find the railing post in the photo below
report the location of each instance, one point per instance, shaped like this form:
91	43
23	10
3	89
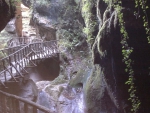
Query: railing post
25	108
4	104
5	70
0	102
26	61
17	106
21	58
18	60
34	110
10	104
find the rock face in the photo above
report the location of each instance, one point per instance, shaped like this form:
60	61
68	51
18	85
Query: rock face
7	11
27	3
10	27
108	54
57	18
103	81
59	98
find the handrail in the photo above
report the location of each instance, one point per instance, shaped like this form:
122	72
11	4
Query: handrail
24	56
10	102
8	51
23	40
27	46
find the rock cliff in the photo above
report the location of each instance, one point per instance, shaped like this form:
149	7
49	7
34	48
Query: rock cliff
103	79
90	40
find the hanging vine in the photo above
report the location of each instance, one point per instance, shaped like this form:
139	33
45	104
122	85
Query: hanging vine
126	52
144	7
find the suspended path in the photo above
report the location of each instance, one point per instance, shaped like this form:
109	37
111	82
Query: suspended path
22	53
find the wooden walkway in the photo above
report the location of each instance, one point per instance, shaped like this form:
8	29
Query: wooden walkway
17	59
12	66
14	104
22	41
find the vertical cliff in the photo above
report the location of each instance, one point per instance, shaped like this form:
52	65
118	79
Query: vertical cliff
90	32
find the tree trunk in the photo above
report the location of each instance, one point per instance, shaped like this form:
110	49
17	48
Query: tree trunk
18	22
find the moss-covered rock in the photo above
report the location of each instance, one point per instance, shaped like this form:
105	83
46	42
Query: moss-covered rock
59	19
88	10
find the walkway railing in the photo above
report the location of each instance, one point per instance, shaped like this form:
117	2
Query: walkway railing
28	55
13	104
7	51
22	41
14	63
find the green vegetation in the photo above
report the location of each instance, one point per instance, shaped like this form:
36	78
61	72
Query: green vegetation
126	52
144	7
69	39
90	23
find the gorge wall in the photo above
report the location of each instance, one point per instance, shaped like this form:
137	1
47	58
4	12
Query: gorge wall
104	86
90	31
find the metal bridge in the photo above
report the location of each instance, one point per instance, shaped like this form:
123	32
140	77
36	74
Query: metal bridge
21	53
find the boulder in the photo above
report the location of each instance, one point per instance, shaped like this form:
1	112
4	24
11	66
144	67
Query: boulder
10	27
60	98
7	12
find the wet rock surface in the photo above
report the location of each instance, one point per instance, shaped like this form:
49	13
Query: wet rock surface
100	73
59	98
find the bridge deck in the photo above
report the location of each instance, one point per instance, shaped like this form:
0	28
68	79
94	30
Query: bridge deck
15	59
16	62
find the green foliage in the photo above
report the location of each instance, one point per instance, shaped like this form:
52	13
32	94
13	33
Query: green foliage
69	39
89	21
144	7
126	52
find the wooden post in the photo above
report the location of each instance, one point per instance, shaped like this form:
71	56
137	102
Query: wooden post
10	65
25	108
5	70
18	21
34	110
17	106
4	103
